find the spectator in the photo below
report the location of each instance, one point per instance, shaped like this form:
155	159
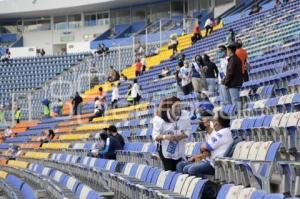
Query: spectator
46	108
255	9
113	132
99	108
144	64
243	55
164	73
18	115
197	33
173	44
222	56
138	67
101	95
233	79
156	50
115	95
47	137
230	39
211	74
113	75
185	74
178	80
6	56
77	104
285	2
197	75
139	50
111	145
129	96
219	141
277	4
181	60
42	52
193	164
203	106
14	151
136	92
171	127
208	26
8	133
59	107
123	78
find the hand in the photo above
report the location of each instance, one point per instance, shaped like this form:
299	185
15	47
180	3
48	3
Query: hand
191	159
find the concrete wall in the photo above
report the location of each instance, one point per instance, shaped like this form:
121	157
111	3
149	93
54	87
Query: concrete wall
23	52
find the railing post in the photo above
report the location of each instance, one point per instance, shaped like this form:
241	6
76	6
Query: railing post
160	33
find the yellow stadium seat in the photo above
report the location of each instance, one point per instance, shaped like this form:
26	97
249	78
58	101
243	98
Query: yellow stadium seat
18	164
56	145
3	174
74	136
112	117
37	155
92	127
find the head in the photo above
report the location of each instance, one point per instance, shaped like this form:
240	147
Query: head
206	58
51	132
138	60
171	105
103	136
111	67
222	51
221	120
186	63
231	50
96	98
239	43
100	89
205	121
59	100
76	94
112	130
231	31
135	81
113	85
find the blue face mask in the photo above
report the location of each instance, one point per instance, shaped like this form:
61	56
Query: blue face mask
220	54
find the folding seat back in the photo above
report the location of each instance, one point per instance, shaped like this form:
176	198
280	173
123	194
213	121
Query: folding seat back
186	184
127	168
179	183
28	192
258	195
263	150
236	124
142	172
276	120
71	183
238	150
14	181
74	159
274	196
293	119
153	179
282	100
245	150
284	120
196	149
267	121
246	193
46	171
260	104
84	192
100	163
162	178
224	191
234	191
254	150
58	176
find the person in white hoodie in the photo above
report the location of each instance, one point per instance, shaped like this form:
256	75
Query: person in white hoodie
208	26
222	67
115	95
136	93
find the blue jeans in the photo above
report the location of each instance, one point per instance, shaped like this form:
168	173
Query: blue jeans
199	169
224	94
234	94
211	85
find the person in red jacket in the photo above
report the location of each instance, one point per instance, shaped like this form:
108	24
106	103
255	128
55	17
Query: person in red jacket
233	79
243	55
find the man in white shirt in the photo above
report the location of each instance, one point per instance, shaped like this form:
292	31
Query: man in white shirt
208	26
115	95
185	74
222	67
136	93
218	143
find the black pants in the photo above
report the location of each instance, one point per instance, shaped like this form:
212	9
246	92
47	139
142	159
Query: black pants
196	37
187	89
246	76
136	100
98	114
18	121
137	73
209	29
169	164
114	104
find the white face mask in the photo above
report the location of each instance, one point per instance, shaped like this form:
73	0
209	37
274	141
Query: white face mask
211	124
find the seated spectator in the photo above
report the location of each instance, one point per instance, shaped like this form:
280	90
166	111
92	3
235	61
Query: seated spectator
8	133
255	9
138	67
218	142
285	2
113	75
14	151
99	109
164	73
197	33
136	93
185	74
113	132
171	128
230	38
47	137
95	152
111	145
6	56
58	108
115	95
173	44
208	26
102	95
129	96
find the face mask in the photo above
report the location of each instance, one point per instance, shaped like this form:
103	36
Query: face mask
211	124
221	54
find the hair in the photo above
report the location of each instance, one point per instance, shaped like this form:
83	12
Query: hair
223	119
206	58
111	67
96	98
100	89
165	105
103	136
222	47
135	81
232	48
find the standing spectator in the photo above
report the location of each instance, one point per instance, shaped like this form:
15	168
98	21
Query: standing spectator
197	33
164	73
144	64
197	75
129	97
47	137
113	132
243	55
136	93
77	103
42	52
139	50
171	128
138	67
211	74
173	44
218	142
101	95
59	107
115	95
111	145
222	56
208	26
18	115
185	74
99	108
234	78
255	9
46	108
230	39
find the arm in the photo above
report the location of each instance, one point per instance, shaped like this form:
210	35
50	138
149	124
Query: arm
229	73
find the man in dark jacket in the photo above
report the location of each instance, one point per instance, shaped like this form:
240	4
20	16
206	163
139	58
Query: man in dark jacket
234	78
77	102
113	132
